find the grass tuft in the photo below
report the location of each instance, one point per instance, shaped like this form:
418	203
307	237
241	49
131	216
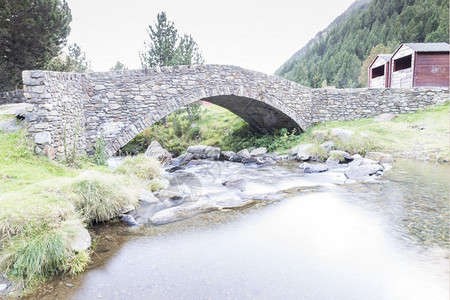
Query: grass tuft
141	166
98	197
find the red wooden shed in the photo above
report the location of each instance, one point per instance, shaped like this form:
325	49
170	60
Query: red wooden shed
379	71
420	64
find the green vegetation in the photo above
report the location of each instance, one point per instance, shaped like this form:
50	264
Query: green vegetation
166	47
207	125
44	204
335	56
221	128
422	135
29	38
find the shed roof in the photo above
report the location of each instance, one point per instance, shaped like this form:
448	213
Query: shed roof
385	57
428	47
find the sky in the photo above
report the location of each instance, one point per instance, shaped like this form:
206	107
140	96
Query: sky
257	35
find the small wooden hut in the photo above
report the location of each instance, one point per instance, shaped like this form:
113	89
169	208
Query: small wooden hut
379	71
420	64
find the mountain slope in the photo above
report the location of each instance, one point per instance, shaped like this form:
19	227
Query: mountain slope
335	55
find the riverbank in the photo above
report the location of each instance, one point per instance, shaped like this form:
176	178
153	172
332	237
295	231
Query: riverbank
46	207
422	135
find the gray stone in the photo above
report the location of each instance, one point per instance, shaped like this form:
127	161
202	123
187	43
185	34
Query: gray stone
227	155
43	138
294	150
380	157
126	209
156	151
147	196
81	241
241	155
327	146
179	162
362	173
68	284
3	287
129	220
313	168
203	152
11	125
342	134
259	151
304	152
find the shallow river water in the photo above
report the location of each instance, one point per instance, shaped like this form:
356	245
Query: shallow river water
317	239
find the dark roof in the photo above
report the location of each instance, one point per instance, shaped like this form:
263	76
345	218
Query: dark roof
429	47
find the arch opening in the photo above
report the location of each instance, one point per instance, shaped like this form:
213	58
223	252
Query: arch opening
261	118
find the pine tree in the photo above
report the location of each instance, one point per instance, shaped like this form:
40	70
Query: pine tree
167	48
32	32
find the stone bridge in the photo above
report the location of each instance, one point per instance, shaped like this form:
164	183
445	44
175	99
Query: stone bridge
69	108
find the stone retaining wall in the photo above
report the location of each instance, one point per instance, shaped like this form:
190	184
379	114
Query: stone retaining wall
350	104
11	97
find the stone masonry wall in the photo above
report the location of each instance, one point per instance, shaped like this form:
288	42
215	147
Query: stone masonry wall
56	119
350	104
118	105
11	97
123	103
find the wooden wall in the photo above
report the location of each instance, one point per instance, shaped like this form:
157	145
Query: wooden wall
402	78
431	69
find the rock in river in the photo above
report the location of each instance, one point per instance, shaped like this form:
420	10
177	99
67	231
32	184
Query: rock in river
202	152
363	172
313	168
157	151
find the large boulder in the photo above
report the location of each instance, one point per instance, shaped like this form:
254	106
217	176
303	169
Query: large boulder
313	168
342	134
363	172
242	155
259	151
227	155
202	152
304	152
155	150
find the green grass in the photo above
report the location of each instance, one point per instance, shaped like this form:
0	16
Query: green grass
44	203
401	136
221	128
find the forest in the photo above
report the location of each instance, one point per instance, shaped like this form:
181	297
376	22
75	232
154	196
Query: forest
339	55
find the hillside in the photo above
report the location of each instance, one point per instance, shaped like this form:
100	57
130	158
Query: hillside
335	56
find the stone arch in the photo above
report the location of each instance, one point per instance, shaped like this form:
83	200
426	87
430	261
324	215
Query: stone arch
264	115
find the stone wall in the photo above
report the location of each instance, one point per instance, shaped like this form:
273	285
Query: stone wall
11	97
118	105
350	104
57	118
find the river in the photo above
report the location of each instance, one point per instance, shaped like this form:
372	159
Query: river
315	238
